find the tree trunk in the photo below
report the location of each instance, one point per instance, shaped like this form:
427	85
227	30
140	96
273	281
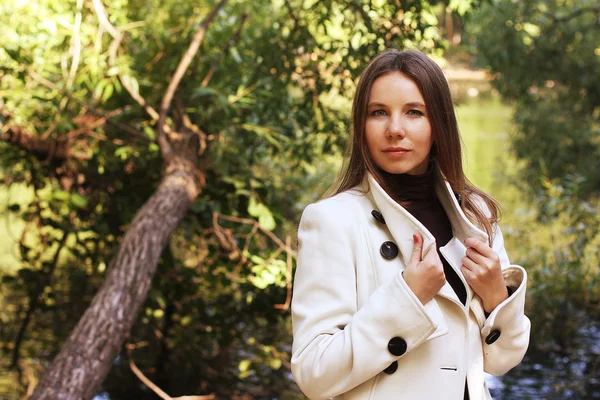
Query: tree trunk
90	351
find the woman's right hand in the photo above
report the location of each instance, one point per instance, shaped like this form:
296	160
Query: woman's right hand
424	276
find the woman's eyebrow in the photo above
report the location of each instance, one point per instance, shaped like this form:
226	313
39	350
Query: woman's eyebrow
410	104
415	104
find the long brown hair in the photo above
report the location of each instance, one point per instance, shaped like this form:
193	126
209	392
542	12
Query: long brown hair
445	153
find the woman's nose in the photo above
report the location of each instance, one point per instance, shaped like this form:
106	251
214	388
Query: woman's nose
395	127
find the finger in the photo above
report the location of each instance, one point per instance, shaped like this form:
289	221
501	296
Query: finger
477	257
415	257
431	253
470	265
468	274
480	246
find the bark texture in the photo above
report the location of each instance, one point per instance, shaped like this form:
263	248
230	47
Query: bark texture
90	351
41	148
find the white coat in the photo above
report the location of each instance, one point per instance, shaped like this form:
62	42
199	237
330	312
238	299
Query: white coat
354	316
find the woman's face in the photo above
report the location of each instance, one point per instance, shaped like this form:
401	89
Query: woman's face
397	128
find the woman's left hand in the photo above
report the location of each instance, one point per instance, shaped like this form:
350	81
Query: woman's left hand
482	270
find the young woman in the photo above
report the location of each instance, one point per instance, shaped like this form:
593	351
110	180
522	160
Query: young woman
403	288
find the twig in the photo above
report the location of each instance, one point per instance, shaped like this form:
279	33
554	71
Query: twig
229	43
129	129
284	361
187	122
159	392
76	45
112	55
244	93
249	237
228	245
288	299
185	62
270	234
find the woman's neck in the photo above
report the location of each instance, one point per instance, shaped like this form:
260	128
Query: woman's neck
406	188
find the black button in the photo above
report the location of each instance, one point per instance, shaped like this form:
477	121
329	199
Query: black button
391	368
389	250
377	215
458	198
397	346
492	337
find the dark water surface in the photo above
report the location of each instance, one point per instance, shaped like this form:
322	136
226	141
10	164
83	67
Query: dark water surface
567	374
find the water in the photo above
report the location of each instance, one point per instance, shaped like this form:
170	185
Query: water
548	371
566	374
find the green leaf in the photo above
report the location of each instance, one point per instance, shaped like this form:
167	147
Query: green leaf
245	370
260	211
123	152
275	363
108	91
78	200
131	82
150	132
265	133
244	365
60	195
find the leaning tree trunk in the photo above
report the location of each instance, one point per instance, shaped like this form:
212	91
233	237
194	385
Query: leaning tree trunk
89	353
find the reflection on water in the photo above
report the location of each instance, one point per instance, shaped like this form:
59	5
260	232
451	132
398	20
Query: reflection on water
572	374
569	373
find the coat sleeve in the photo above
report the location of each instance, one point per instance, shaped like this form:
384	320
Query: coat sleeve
337	346
505	333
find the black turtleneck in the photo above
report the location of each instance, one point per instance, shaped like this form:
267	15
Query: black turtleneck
417	195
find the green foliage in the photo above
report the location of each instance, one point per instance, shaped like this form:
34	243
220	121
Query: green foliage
276	117
544	55
544	58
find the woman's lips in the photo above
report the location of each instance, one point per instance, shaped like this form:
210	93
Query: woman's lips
395	152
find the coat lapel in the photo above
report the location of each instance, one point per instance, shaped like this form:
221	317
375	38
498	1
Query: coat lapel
461	226
402	225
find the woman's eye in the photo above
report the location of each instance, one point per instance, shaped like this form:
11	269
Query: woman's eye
378	113
416	113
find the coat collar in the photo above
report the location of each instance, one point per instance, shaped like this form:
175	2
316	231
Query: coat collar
403	225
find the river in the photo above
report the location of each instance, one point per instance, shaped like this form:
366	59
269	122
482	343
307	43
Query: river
547	371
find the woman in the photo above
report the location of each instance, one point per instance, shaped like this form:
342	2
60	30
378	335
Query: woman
403	288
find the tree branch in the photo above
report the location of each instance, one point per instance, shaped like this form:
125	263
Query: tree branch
185	62
43	149
152	386
187	123
112	56
129	129
75	45
267	232
229	43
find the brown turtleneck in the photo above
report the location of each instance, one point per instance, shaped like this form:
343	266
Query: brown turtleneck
417	195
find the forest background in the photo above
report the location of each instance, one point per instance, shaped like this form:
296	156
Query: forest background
155	158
